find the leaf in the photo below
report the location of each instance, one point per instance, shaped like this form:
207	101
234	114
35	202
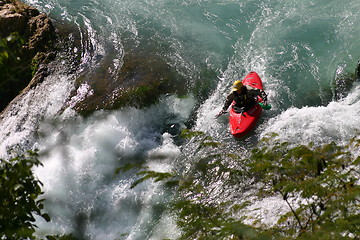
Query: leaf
210	144
19	193
357	161
46	217
128	166
157	176
187	134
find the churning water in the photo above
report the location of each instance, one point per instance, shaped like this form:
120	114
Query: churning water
299	48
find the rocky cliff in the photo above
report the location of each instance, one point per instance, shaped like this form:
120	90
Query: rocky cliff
27	38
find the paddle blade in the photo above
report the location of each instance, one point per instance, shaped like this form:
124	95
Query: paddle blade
265	107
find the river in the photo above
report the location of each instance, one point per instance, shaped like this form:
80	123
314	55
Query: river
299	49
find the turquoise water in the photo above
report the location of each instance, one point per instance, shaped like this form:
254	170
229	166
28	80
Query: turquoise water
298	48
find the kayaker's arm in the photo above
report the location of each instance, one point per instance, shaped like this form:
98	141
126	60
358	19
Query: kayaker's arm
229	99
263	96
258	92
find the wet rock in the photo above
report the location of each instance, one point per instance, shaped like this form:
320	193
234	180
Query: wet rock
10	21
357	72
143	77
30	44
344	82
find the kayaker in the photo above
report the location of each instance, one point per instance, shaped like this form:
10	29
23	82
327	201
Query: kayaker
245	97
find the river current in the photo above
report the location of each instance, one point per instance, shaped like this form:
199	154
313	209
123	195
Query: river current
299	48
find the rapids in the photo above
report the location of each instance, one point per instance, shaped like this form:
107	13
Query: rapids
299	49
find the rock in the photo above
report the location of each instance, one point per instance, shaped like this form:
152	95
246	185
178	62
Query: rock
11	22
34	26
357	72
142	79
14	16
344	82
26	50
40	31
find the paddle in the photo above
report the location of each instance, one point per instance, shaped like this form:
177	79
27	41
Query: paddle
266	106
222	112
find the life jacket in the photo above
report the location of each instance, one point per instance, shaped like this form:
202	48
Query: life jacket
245	100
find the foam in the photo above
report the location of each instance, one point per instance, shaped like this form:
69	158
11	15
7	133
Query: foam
338	121
80	159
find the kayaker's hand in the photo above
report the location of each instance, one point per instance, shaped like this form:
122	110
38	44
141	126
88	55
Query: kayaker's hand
264	100
222	112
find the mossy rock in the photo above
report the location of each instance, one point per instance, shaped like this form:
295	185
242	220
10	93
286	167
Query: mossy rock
142	79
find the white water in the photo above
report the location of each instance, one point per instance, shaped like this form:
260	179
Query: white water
79	163
337	122
21	120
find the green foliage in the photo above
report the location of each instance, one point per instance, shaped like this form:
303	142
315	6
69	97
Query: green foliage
10	48
19	197
14	68
156	176
63	237
7	45
36	61
187	134
319	184
203	140
199	220
203	204
201	212
127	167
199	217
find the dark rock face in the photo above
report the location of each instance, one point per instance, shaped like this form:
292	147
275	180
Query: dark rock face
344	82
32	45
11	21
34	26
139	83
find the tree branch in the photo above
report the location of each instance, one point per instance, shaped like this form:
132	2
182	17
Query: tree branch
292	210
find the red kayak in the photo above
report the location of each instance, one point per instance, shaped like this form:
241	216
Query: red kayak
242	123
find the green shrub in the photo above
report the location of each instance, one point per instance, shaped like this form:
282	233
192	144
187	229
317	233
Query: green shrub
318	183
20	192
